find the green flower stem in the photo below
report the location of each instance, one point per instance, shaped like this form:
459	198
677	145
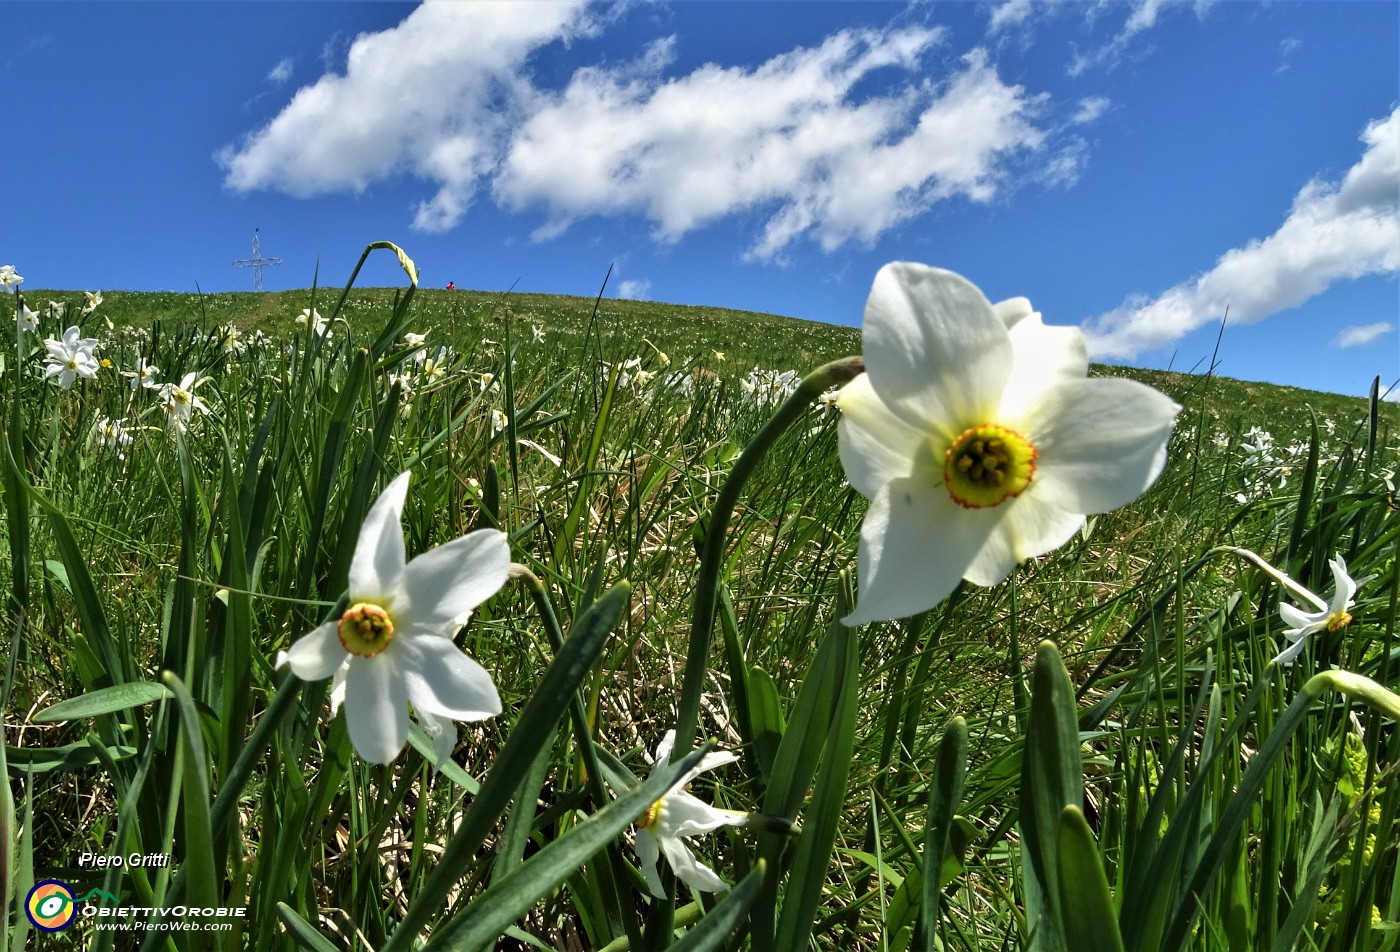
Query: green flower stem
702	619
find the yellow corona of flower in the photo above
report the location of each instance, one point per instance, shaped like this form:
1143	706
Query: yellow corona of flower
978	440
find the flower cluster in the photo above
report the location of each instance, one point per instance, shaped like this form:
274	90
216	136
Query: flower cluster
1265	467
765	388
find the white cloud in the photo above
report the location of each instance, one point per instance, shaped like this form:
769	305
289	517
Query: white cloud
1334	231
1287	48
1359	335
1142	17
1008	14
634	290
1090	108
434	96
281	72
832	144
785	139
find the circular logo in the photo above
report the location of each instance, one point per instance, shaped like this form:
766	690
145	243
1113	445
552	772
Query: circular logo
50	905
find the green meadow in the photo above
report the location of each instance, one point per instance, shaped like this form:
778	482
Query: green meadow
1097	753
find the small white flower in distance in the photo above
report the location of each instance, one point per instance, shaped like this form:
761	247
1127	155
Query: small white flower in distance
393	647
144	375
70	357
28	320
180	401
111	435
319	324
664	827
94	298
537	333
978	440
1330	616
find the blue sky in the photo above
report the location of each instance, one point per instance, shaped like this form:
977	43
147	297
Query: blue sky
1132	168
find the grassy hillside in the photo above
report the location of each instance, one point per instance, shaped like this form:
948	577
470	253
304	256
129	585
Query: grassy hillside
686	333
899	784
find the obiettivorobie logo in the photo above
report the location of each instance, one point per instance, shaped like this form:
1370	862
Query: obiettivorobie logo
52	907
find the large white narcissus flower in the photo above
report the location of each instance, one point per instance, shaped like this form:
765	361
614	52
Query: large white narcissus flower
393	646
978	440
663	828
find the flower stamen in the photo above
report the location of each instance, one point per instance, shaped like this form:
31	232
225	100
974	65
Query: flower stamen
365	630
651	815
987	465
1338	621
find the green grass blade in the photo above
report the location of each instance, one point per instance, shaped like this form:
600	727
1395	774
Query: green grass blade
822	819
85	598
944	795
713	931
303	933
1052	778
198	839
118	697
1086	907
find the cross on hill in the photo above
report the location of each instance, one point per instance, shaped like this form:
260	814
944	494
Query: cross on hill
257	262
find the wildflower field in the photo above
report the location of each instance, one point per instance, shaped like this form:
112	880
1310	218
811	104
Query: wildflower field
395	619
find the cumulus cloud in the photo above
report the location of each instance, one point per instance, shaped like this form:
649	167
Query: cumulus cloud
634	290
786	138
1359	335
835	143
433	97
1334	231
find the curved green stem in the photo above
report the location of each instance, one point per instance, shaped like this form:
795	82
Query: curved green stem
702	621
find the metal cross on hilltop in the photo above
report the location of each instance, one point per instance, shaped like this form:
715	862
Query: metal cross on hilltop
257	262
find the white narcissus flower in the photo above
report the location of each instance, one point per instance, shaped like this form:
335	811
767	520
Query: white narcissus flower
70	357
144	375
8	277
978	440
28	320
664	827
94	298
180	401
1330	616
111	435
319	324
537	333
393	646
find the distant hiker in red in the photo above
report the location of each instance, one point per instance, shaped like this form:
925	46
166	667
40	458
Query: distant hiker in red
451	285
